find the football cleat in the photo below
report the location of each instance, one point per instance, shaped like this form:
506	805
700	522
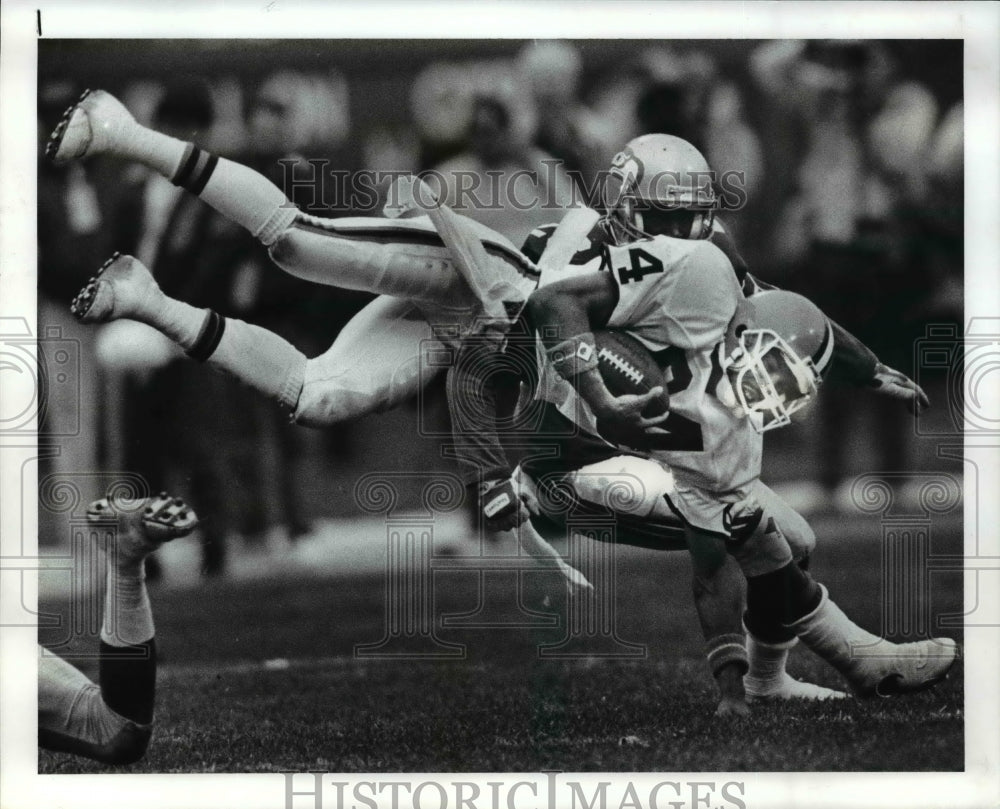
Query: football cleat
873	666
120	288
889	669
144	523
92	126
787	687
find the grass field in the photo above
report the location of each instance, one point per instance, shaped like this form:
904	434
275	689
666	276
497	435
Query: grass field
260	674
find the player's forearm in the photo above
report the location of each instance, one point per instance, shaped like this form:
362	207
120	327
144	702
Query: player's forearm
472	407
572	306
853	362
556	317
563	325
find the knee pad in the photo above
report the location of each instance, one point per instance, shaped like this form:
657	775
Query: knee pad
624	484
356	392
798	533
766	551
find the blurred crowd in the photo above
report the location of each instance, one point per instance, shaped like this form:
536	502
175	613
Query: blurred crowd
852	167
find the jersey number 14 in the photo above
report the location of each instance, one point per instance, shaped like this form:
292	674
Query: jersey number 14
642	263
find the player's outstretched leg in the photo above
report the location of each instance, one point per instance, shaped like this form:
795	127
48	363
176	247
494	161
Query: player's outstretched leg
128	649
333	252
124	288
873	666
380	359
99	124
112	721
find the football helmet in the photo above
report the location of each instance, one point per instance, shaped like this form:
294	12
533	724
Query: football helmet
776	350
650	181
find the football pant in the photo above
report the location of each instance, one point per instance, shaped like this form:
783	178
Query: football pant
779	536
380	359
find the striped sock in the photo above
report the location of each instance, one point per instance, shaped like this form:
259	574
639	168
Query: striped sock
239	193
259	358
195	169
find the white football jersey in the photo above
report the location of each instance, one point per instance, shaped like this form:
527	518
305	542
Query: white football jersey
677	297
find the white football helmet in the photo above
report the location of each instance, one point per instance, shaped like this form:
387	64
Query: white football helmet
776	350
650	180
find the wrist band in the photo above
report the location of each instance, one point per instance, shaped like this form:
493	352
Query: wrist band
574	356
724	649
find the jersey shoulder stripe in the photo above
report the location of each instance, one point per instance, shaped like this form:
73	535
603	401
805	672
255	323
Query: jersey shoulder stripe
594	247
410	231
534	245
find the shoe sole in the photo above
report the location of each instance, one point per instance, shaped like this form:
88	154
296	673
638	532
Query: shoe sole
56	138
84	300
164	517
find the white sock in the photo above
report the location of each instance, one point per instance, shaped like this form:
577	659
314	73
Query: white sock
160	152
261	359
236	191
767	660
179	321
128	615
248	198
833	636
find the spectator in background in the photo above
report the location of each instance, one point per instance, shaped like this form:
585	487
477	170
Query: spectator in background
520	187
285	125
934	239
552	71
674	98
840	230
942	221
733	148
440	106
685	96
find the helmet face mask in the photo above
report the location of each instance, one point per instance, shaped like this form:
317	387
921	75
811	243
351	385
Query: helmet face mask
658	185
776	350
770	381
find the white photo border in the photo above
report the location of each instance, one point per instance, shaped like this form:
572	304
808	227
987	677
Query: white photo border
978	24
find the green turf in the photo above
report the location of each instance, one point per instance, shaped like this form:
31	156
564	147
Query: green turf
500	707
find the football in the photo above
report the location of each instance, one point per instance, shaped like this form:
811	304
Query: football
627	366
